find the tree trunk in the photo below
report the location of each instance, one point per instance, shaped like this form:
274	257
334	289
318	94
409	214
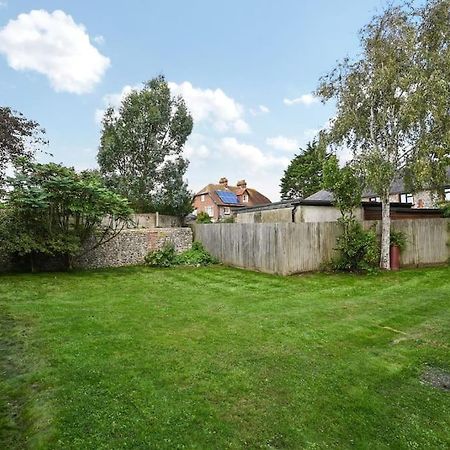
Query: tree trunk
385	262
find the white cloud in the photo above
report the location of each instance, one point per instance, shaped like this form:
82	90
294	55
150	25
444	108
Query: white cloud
251	155
114	100
53	45
262	109
213	106
305	99
283	143
200	152
99	39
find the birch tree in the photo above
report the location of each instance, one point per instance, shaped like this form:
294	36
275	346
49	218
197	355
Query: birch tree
390	112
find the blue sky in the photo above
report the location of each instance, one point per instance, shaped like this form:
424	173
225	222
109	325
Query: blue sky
246	69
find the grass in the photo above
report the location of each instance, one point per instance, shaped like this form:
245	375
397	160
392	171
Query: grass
218	358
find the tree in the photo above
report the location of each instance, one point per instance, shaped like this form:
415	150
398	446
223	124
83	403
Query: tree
384	113
345	184
51	210
141	148
303	176
19	139
357	248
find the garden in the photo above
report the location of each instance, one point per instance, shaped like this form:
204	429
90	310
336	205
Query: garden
214	357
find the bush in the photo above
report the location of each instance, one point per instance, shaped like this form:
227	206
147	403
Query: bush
445	208
358	249
165	257
196	256
203	217
398	238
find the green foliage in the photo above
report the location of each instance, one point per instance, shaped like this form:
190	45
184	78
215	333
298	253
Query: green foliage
399	239
51	210
164	257
167	256
393	101
358	248
345	185
196	256
19	139
445	208
141	149
303	176
203	217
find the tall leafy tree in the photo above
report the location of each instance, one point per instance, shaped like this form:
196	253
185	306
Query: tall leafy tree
19	139
392	102
141	148
304	174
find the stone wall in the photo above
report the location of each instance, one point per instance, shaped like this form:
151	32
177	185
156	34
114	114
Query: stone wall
131	246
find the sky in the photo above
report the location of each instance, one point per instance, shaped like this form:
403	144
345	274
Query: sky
247	70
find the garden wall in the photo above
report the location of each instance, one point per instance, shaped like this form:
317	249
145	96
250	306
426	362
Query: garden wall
131	246
286	248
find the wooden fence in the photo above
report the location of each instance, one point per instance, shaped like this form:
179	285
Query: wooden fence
286	248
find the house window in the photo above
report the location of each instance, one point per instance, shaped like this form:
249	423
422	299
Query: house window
245	198
202	198
374	199
209	210
406	198
447	194
226	210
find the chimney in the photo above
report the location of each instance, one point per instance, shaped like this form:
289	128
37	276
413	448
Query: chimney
223	182
242	184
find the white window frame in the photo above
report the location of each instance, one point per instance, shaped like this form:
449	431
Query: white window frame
406	198
210	211
245	198
226	210
374	199
447	194
202	197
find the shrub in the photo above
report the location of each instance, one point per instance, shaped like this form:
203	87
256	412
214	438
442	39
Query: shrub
358	249
445	208
164	257
196	256
203	217
167	257
398	238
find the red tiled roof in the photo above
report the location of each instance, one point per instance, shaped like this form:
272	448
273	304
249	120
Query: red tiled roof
256	197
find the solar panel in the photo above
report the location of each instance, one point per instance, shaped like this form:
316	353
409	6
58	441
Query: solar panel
228	197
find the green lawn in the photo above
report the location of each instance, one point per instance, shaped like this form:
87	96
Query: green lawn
218	358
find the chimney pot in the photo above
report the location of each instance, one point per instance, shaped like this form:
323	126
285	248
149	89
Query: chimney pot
242	184
224	182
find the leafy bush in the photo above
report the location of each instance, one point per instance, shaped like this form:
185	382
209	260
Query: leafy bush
358	249
445	208
203	217
167	257
398	238
164	257
196	256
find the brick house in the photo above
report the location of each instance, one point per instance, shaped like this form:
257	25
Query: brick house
218	199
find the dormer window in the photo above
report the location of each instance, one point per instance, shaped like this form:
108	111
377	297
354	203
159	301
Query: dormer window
245	198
